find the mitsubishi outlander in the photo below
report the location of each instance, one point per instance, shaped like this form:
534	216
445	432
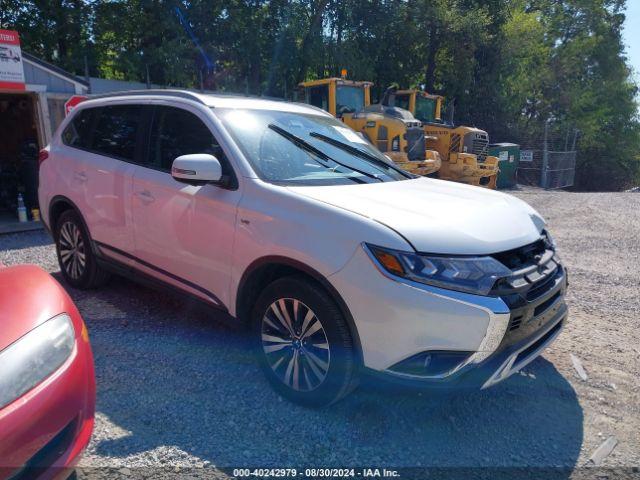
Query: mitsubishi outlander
339	262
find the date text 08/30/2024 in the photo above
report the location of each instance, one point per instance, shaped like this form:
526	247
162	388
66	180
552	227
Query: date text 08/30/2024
315	472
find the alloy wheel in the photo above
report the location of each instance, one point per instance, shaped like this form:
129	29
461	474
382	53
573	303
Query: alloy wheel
72	250
295	344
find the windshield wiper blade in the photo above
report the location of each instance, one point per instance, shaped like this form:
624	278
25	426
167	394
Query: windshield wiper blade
303	144
357	152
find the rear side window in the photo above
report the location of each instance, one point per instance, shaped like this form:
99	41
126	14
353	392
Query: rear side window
78	132
116	131
176	132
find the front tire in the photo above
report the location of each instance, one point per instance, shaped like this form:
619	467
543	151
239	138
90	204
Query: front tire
303	342
77	261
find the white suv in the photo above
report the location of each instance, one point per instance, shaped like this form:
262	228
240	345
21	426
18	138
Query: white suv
289	221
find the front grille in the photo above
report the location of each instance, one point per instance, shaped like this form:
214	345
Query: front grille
533	267
477	143
543	286
528	315
528	319
479	147
534	292
540	309
537	344
522	256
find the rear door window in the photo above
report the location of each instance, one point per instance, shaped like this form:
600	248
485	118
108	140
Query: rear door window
116	131
78	132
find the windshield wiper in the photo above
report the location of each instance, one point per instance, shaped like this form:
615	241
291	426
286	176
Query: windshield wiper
357	152
304	145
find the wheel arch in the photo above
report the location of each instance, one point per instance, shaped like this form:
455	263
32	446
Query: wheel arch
60	204
265	270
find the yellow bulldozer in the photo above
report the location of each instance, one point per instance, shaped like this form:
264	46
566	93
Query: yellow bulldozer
394	131
463	149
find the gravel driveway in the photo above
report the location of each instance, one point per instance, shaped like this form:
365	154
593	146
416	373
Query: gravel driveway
177	387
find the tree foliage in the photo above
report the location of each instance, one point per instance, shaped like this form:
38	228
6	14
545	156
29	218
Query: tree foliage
511	65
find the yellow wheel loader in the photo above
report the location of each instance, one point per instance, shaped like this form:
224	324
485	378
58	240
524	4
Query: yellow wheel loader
395	132
463	149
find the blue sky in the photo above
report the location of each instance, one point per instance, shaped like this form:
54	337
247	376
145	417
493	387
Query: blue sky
632	36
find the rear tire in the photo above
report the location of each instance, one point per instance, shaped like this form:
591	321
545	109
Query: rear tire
303	342
77	261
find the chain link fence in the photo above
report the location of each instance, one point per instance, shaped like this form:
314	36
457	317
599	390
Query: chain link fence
549	162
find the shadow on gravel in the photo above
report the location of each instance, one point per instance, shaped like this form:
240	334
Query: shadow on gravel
173	375
25	240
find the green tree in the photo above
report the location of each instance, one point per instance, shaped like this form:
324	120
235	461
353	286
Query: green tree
57	31
511	65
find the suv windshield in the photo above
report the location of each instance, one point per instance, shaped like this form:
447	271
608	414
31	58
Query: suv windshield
306	149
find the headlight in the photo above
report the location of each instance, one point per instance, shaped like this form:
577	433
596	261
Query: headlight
34	357
475	275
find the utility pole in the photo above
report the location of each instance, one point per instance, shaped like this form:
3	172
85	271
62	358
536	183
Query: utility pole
545	156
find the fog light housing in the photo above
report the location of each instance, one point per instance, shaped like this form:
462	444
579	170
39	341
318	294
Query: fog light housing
431	364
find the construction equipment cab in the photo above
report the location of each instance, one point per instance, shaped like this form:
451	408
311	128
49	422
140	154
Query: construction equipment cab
337	96
394	131
464	150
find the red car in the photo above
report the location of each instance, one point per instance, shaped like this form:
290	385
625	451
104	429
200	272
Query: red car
47	384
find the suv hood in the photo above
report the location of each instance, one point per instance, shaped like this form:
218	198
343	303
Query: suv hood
437	216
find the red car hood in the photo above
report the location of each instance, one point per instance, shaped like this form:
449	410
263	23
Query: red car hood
28	297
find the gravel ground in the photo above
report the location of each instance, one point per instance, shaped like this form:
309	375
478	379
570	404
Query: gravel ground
177	388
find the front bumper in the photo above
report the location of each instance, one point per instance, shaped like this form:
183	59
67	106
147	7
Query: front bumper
43	433
396	320
496	368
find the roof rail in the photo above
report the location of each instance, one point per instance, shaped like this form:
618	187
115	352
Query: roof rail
151	91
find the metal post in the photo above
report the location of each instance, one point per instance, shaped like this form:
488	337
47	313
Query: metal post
575	139
86	74
146	66
545	157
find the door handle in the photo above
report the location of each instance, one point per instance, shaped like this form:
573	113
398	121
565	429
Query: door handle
145	196
80	176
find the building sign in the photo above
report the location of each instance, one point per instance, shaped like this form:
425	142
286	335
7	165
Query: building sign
526	156
11	72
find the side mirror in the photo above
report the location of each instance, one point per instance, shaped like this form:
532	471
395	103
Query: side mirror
197	169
